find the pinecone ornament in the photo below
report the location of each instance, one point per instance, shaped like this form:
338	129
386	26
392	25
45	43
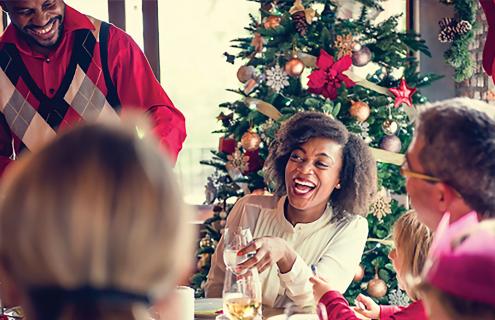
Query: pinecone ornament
463	27
450	28
299	17
300	23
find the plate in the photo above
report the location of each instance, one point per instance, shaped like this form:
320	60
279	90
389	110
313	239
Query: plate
295	317
208	306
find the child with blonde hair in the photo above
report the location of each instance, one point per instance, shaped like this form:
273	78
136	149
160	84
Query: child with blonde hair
412	241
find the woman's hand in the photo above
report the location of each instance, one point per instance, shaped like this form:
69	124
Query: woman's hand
320	287
372	310
269	250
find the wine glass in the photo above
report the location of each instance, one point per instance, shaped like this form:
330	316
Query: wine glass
242	296
235	239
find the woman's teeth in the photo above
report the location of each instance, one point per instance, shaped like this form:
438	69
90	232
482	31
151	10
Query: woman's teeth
303	186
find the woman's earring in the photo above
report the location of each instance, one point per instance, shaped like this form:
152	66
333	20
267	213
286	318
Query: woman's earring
337	186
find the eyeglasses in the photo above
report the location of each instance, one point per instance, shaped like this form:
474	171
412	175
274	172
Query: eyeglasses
411	174
405	172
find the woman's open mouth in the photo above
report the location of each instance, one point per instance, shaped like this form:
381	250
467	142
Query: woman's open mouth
302	187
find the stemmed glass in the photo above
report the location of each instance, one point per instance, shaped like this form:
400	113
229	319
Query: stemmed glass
242	295
235	239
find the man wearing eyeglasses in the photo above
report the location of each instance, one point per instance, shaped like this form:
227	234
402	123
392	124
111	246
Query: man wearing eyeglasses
450	164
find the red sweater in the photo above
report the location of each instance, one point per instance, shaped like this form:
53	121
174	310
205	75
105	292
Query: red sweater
130	72
338	309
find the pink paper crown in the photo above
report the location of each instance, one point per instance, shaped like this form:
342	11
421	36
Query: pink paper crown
462	267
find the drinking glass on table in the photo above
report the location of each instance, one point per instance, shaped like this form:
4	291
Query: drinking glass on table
242	295
235	239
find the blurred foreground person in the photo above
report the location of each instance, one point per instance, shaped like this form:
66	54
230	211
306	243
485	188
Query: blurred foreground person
90	227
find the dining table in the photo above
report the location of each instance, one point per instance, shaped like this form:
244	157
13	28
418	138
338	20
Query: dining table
267	313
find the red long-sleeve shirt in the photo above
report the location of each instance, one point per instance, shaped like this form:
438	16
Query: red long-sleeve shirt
136	85
489	49
338	309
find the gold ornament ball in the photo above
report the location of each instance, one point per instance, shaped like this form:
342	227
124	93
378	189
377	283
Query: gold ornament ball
250	141
377	288
272	22
246	73
294	67
390	127
359	274
360	110
206	242
361	57
391	143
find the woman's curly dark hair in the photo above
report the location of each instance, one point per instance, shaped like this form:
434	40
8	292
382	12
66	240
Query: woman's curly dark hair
358	177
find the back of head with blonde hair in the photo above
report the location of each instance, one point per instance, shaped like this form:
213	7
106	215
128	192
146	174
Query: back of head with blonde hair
97	208
412	239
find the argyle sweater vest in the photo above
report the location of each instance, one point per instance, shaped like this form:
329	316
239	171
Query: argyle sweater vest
86	92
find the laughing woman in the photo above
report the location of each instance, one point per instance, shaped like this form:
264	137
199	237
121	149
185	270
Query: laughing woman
324	179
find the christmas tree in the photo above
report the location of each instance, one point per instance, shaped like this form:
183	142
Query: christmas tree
327	56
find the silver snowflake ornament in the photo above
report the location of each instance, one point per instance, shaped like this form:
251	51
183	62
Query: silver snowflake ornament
398	298
276	78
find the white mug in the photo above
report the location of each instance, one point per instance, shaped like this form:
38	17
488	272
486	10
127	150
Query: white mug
185	297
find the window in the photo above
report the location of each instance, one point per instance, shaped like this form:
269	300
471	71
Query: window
193	36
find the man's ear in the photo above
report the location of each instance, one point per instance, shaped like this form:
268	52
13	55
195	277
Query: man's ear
445	196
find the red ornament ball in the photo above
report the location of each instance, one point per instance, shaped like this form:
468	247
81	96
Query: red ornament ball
360	110
250	140
272	22
294	67
246	73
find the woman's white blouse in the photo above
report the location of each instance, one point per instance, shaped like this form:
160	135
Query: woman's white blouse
335	247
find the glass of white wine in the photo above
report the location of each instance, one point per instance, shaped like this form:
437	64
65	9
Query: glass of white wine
235	239
242	296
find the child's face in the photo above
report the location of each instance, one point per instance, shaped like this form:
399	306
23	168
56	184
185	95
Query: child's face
395	257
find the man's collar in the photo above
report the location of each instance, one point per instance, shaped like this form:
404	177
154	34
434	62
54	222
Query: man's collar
73	20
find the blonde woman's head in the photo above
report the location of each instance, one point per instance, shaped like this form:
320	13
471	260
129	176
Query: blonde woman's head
412	240
98	207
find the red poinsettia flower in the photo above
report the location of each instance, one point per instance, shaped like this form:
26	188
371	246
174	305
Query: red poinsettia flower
328	78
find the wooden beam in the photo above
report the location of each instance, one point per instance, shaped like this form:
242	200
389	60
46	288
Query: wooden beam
411	15
150	35
116	13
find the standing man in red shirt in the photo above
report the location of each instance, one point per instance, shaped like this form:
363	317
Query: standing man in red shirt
59	67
